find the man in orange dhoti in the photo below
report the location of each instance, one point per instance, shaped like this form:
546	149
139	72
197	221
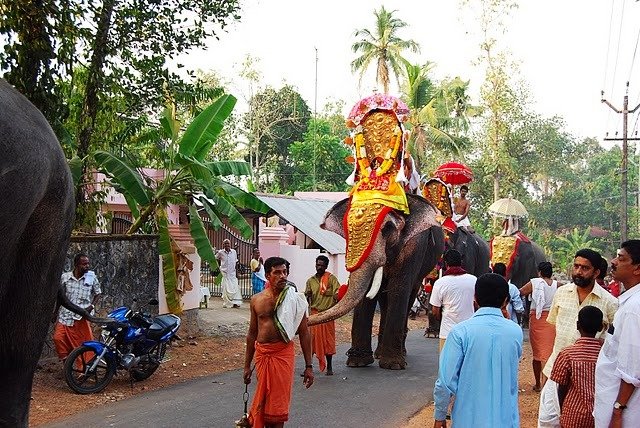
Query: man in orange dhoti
82	289
277	314
322	293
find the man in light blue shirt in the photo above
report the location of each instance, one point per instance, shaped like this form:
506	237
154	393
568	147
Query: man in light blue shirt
479	364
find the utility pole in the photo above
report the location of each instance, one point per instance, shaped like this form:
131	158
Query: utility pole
315	122
623	171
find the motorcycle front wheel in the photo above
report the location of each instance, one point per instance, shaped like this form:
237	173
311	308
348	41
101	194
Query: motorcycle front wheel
78	371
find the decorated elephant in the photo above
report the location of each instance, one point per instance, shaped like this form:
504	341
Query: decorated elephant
520	254
36	217
475	250
402	252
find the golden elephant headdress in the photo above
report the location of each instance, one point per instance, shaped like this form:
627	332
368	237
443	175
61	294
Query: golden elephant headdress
378	139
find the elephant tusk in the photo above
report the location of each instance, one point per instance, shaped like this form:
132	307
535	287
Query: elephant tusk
375	285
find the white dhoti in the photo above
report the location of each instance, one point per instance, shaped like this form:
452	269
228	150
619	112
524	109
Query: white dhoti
231	294
549	410
464	222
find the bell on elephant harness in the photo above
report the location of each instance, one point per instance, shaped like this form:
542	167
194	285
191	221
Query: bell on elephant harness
244	420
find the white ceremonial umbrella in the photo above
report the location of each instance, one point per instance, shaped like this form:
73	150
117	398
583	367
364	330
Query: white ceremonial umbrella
508	208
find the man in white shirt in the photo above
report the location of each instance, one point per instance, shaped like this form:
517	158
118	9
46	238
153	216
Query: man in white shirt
617	403
227	260
452	295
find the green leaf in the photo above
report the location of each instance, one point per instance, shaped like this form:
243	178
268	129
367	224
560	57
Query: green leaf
170	126
214	218
224	168
205	128
229	211
242	199
165	249
125	175
199	235
75	165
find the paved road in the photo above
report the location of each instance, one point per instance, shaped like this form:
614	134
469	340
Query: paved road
368	396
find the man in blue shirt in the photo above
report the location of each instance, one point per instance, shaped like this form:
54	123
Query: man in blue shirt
479	364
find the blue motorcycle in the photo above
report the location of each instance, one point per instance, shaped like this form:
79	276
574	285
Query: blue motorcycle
131	341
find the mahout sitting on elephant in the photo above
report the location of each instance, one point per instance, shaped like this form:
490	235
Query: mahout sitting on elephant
393	239
35	224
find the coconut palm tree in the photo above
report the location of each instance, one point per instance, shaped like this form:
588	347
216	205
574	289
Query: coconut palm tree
383	46
440	112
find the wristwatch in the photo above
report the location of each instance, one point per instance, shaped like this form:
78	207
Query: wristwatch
619	406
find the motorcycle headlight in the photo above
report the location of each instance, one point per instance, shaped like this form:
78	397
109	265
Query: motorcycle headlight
104	335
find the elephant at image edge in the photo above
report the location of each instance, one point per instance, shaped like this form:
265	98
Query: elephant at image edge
407	248
476	255
36	217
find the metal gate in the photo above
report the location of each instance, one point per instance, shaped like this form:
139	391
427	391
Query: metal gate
120	223
243	247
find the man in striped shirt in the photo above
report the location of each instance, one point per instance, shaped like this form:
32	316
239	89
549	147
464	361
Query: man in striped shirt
574	372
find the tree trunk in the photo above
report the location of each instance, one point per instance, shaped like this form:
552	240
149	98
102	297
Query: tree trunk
91	99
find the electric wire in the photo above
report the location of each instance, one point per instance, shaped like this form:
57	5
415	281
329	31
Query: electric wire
633	59
615	64
606	64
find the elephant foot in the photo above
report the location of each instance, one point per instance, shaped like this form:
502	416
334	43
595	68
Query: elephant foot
393	363
359	358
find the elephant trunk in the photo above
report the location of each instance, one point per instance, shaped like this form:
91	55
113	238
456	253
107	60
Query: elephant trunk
358	287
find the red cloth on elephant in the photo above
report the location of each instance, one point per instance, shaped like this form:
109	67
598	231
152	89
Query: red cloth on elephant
323	340
274	370
67	338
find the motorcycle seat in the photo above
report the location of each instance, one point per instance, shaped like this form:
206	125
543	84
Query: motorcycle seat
162	325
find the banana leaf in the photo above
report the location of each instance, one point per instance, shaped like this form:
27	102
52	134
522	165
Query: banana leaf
228	210
126	176
224	168
168	263
75	165
242	199
205	128
199	235
213	215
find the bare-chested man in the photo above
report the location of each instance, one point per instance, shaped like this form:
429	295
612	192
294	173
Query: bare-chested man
461	208
269	339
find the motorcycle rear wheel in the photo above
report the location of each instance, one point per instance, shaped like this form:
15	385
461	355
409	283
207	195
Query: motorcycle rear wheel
148	363
77	371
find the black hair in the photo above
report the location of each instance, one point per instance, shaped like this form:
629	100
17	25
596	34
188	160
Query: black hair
275	261
453	258
632	246
590	320
325	259
593	256
500	269
604	266
491	290
545	269
77	258
464	187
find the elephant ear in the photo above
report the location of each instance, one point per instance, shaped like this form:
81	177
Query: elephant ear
333	220
393	228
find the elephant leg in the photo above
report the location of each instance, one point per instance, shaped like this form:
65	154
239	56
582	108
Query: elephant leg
391	348
360	354
382	300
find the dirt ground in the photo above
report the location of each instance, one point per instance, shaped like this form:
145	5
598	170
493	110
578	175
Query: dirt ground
202	356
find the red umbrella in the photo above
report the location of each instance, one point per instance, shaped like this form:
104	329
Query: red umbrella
454	173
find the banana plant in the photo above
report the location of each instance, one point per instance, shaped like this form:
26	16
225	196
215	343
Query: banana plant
188	178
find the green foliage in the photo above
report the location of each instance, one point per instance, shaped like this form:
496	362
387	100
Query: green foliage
275	120
383	47
318	161
188	178
568	246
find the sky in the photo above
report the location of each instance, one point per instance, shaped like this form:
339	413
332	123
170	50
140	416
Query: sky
567	51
